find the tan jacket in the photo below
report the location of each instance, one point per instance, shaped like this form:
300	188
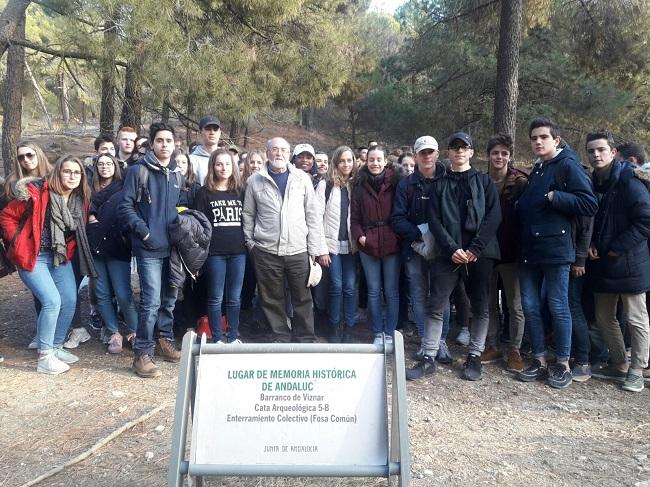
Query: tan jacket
283	226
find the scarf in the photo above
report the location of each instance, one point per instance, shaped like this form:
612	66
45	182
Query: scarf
69	218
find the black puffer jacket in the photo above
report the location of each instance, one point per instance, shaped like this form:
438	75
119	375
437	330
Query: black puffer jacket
106	237
190	238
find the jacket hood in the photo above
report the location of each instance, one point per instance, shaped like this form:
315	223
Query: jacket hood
199	150
642	174
152	163
20	187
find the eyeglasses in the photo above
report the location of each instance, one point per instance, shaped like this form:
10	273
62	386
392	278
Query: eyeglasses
70	172
26	155
105	164
278	150
459	148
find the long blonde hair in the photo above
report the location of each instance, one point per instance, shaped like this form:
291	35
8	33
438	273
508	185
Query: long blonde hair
44	167
234	181
333	174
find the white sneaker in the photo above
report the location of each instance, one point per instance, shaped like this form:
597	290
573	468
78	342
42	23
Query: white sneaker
49	364
388	338
379	339
463	336
65	356
77	336
236	341
32	345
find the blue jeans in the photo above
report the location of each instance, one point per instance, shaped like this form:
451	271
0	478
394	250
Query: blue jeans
372	268
114	279
225	273
556	279
580	328
343	287
56	291
157	301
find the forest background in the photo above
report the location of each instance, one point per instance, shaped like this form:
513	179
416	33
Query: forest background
334	66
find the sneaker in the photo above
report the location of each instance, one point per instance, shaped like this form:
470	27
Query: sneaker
536	371
130	339
115	343
609	373
472	368
95	321
426	366
443	356
417	356
104	335
48	363
559	376
167	350
379	339
144	366
633	383
236	341
77	336
388	339
463	337
646	374
33	345
581	372
515	363
491	355
65	356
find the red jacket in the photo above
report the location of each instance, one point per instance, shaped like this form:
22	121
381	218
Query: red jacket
28	243
370	214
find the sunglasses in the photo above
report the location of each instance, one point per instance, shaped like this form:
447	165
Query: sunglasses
26	155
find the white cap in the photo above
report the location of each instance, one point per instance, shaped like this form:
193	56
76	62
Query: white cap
315	274
425	142
300	148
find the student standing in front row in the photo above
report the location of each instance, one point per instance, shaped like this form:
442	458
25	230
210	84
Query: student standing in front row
464	216
620	262
372	204
558	191
46	223
151	192
220	199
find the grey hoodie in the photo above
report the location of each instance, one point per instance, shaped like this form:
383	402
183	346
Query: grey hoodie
199	159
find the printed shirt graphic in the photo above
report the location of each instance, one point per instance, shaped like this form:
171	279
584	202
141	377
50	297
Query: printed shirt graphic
224	211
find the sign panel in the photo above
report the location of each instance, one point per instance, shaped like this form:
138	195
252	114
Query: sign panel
290	409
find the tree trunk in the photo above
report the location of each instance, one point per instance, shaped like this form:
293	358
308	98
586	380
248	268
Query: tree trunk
107	108
166	109
353	126
64	102
234	130
190	104
246	133
132	107
39	96
10	19
507	84
307	115
12	101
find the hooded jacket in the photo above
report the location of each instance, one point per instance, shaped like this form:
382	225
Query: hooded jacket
282	226
27	244
149	210
105	235
622	226
508	232
199	158
330	210
546	227
190	237
371	212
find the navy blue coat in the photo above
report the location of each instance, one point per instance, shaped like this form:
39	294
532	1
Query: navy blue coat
150	210
410	209
622	225
105	236
547	228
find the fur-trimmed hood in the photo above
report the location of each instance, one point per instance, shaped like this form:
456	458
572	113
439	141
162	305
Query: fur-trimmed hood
642	174
20	187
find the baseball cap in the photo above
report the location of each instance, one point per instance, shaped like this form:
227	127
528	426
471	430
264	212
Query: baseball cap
209	120
425	142
303	148
315	273
462	136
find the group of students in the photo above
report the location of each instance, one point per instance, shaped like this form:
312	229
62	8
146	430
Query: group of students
457	234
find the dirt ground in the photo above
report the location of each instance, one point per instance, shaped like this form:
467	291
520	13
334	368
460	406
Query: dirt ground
491	432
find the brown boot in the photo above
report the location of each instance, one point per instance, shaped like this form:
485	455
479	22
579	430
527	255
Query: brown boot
515	362
168	351
144	366
491	355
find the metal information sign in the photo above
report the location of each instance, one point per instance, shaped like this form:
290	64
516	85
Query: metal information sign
290	410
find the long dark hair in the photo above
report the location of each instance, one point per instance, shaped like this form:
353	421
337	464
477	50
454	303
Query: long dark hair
234	182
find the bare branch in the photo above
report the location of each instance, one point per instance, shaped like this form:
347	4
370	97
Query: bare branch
65	54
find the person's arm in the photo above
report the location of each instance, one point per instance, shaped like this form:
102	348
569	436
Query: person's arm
10	218
127	210
491	220
248	216
578	198
399	218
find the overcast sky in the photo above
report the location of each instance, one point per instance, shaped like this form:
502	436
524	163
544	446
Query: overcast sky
386	5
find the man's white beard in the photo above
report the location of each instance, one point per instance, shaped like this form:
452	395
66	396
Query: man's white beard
278	164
